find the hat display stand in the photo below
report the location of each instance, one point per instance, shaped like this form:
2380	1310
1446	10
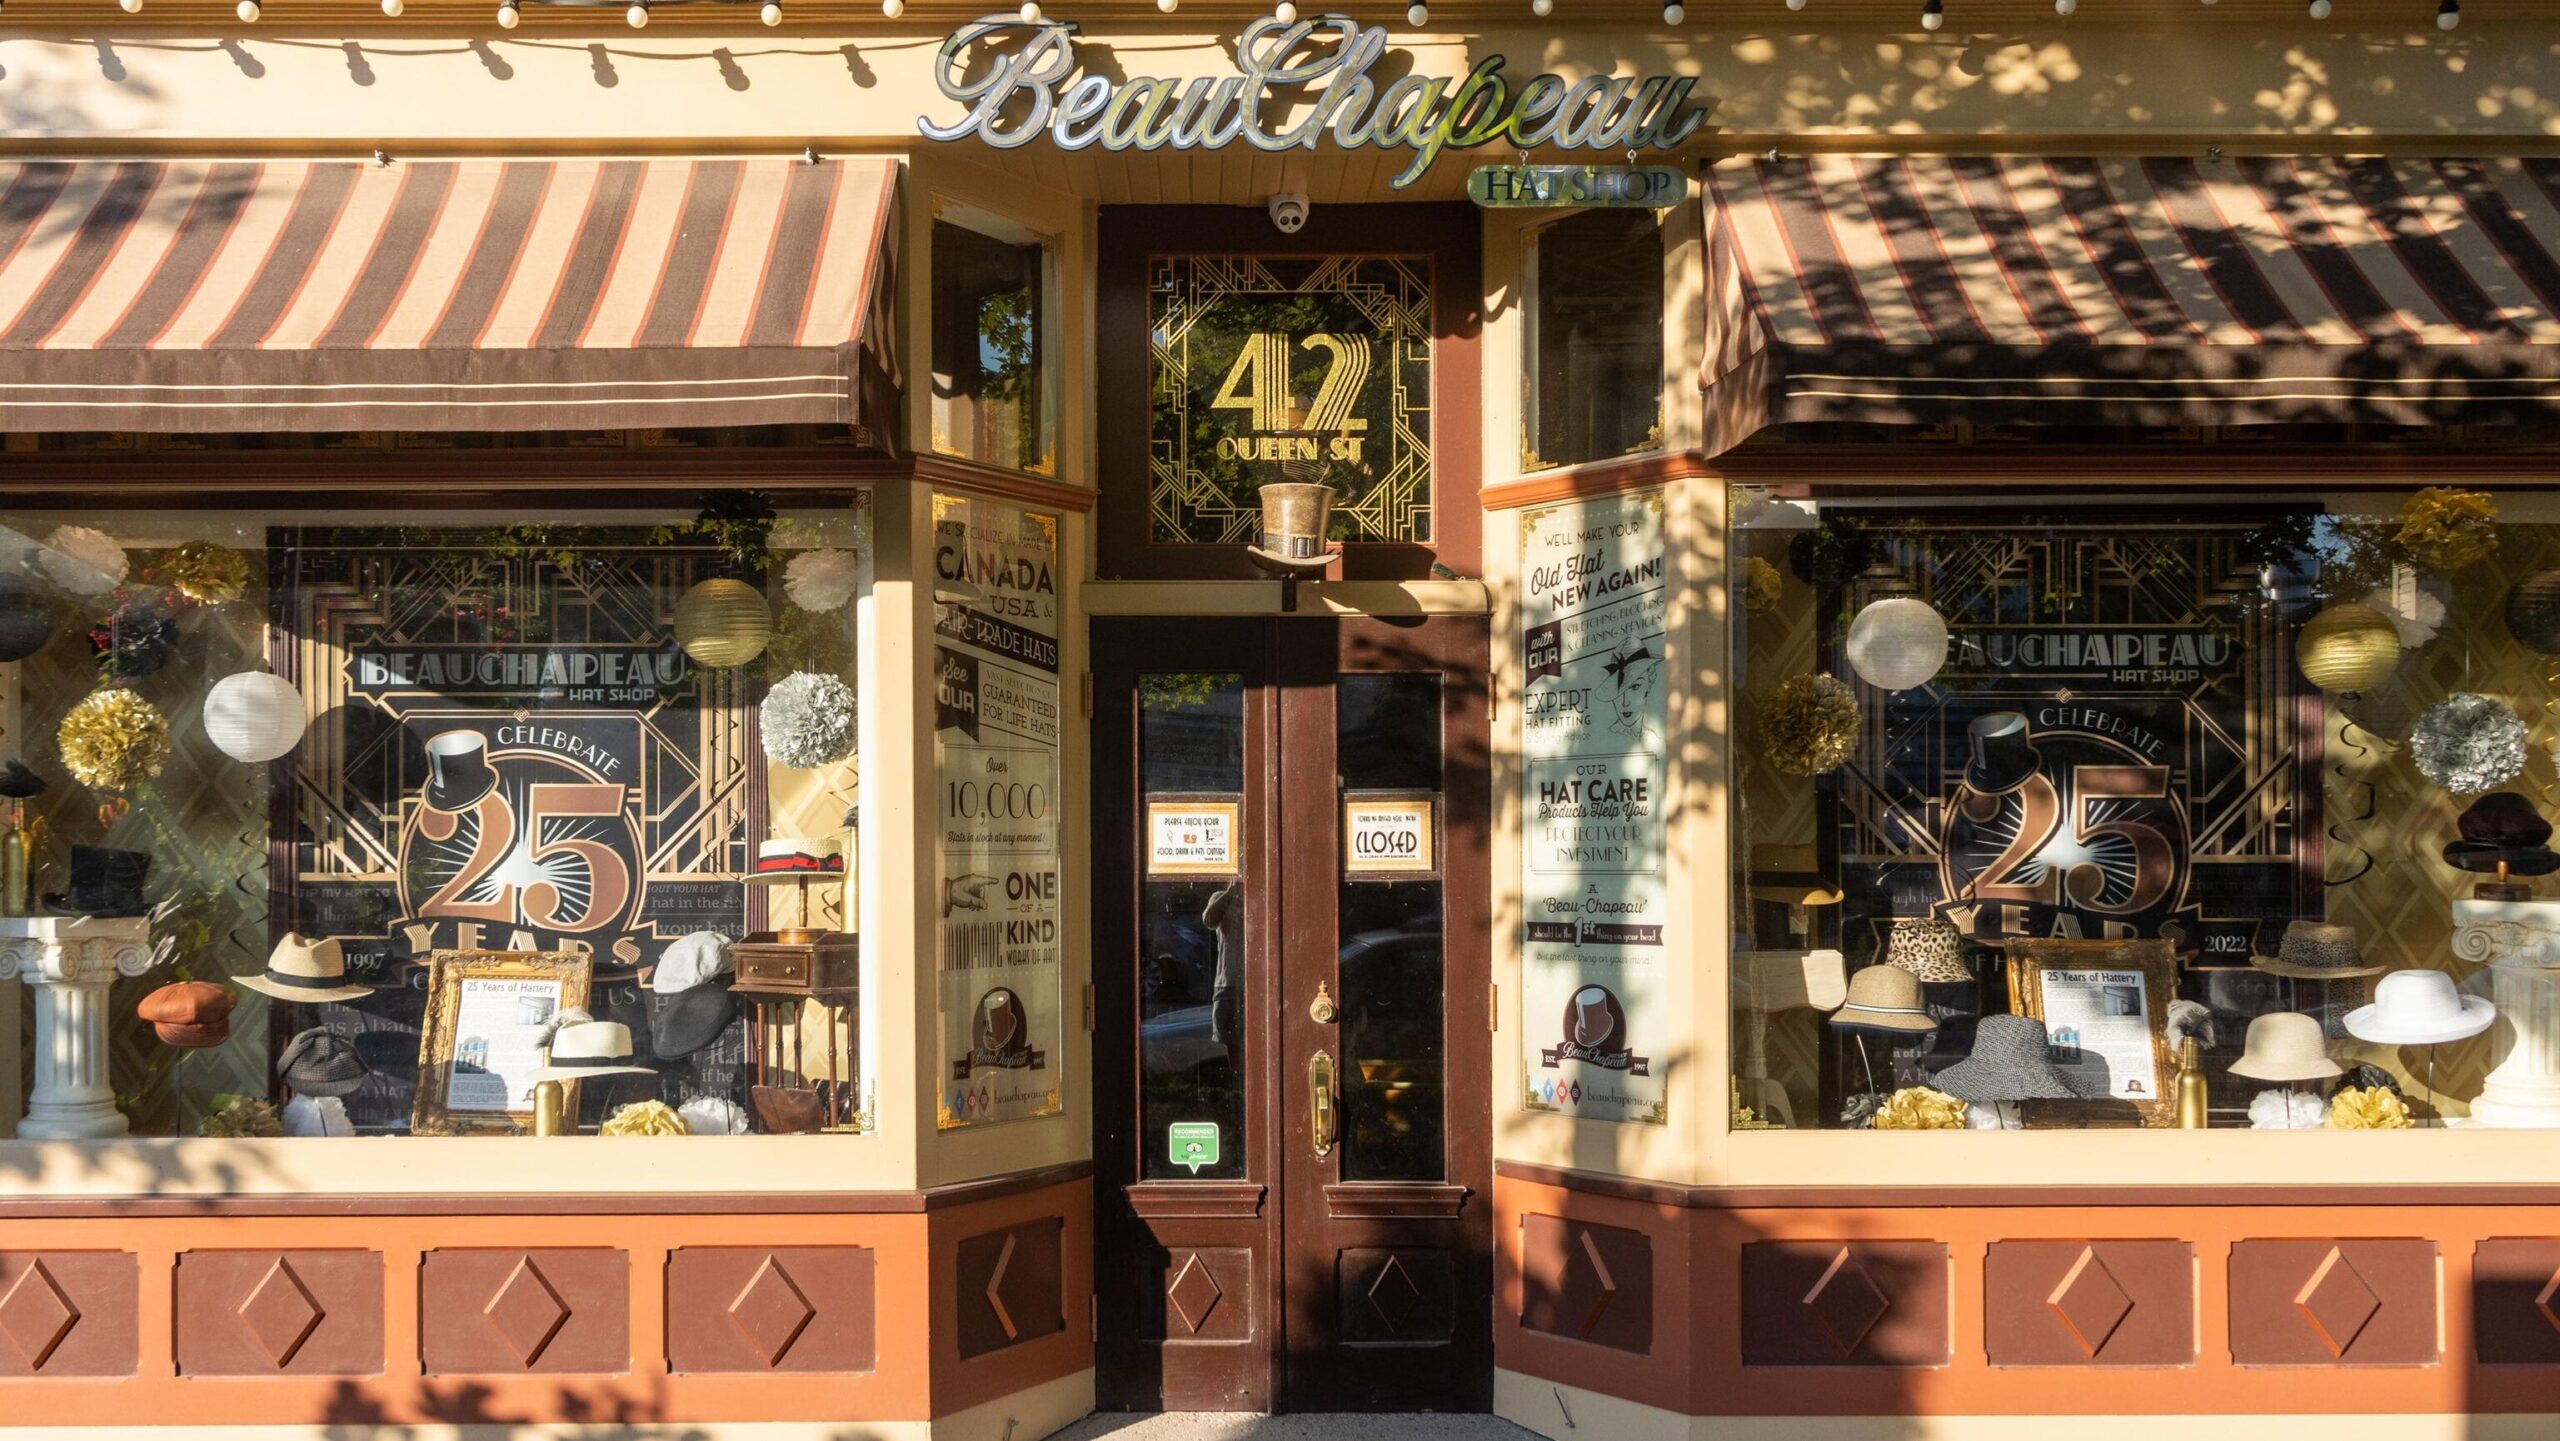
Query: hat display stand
1771	983
71	962
2519	943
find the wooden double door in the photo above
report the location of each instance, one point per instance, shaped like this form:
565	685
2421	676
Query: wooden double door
1292	1119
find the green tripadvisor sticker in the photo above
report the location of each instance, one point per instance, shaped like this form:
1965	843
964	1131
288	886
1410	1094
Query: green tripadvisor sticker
1192	1143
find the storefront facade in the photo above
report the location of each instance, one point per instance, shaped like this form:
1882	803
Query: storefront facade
1851	543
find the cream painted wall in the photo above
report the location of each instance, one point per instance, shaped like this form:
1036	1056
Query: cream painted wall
137	86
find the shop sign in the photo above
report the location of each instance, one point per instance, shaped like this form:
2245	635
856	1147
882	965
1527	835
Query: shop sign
1389	836
1594	711
1568	187
1000	937
1028	83
1187	836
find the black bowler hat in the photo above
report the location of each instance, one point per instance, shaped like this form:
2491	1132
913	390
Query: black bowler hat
18	783
691	1020
2002	758
28	617
2502	827
458	770
104	882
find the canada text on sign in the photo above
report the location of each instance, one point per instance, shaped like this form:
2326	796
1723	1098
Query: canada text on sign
1026	81
1650	187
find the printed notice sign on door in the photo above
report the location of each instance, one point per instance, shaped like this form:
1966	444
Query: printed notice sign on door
1192	1143
1191	837
1388	836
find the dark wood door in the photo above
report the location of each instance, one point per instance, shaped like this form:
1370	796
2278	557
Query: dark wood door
1292	1125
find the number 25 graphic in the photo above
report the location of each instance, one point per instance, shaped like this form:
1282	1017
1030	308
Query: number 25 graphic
474	894
2155	858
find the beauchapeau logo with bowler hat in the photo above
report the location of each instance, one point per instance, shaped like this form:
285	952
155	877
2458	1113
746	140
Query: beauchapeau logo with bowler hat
1594	1032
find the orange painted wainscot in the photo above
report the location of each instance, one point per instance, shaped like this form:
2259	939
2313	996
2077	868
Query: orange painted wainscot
2050	1301
899	1306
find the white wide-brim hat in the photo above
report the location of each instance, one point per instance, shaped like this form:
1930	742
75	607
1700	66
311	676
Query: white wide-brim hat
2286	1046
2420	1008
583	1050
305	970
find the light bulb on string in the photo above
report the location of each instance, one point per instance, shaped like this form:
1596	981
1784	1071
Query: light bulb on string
130	7
893	8
1542	8
1674	13
1795	4
2065	7
1285	13
508	15
393	8
771	14
1168	6
1932	15
1417	15
2448	14
2319	9
248	12
638	15
1030	12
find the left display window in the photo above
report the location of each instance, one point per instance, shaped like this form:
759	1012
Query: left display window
320	824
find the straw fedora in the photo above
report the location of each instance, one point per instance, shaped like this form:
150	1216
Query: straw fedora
2011	1061
1790	875
2285	1046
1885	998
306	970
2317	951
1930	948
583	1050
2420	1008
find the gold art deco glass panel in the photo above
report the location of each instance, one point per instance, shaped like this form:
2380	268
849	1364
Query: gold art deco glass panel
1289	368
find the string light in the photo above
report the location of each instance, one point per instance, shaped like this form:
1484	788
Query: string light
893	8
771	14
1795	4
2448	14
1542	8
248	12
638	14
507	14
1417	15
1932	15
1030	12
1285	13
393	8
1674	13
2319	9
2065	7
1168	6
130	7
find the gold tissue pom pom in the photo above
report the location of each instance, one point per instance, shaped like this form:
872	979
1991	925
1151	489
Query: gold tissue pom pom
2359	1109
206	573
2444	530
644	1118
1811	727
1917	1108
113	740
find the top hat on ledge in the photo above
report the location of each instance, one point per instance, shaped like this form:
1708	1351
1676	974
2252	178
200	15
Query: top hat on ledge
1295	519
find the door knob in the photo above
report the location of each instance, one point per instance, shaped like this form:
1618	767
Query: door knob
1321	1010
1320	1101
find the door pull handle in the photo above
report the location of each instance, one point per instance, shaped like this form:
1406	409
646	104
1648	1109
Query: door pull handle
1320	1101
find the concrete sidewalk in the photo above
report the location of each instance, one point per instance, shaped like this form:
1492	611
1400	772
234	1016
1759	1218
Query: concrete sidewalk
1238	1426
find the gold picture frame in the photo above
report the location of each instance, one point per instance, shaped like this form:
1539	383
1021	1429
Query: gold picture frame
504	991
2099	972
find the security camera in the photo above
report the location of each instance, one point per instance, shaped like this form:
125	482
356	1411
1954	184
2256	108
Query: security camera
1289	213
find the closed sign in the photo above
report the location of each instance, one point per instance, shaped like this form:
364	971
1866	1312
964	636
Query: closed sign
1390	836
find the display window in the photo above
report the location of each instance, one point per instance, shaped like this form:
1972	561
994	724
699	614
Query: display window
2056	812
327	823
992	381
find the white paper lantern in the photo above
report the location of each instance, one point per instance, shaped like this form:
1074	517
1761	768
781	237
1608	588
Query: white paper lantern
1898	643
253	716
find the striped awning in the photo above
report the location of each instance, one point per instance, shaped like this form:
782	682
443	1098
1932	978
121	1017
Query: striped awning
468	295
2164	291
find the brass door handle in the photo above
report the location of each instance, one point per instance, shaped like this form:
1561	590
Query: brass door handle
1320	1101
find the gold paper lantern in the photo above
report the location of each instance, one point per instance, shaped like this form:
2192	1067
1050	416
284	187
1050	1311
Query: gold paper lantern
723	623
2348	648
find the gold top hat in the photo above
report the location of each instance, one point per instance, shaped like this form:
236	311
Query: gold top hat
1295	517
306	970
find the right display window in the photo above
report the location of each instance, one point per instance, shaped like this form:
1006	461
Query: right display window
1595	339
2227	815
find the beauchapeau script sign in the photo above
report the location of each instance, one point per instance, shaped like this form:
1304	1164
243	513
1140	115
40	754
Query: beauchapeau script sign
1026	82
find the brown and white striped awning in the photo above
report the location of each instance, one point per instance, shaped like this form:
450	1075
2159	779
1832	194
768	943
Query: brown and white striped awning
467	295
2165	291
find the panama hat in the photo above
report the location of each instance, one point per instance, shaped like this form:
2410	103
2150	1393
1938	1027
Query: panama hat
1929	947
306	970
585	1049
2420	1008
2012	1061
1885	998
2317	951
2285	1046
1790	875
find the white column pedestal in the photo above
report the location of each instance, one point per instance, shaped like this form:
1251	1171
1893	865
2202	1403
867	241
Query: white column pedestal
71	961
2519	941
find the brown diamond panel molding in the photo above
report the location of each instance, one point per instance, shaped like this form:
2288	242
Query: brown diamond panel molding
2089	1303
499	1312
279	1313
755	1310
68	1313
2515	1302
1844	1303
2333	1303
1009	1286
1587	1282
1395	1296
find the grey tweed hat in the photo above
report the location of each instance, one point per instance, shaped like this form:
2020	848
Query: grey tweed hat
2011	1061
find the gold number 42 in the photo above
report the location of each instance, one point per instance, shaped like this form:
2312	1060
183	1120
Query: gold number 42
1258	383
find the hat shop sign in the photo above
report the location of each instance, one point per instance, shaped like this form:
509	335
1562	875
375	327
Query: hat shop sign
1022	79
